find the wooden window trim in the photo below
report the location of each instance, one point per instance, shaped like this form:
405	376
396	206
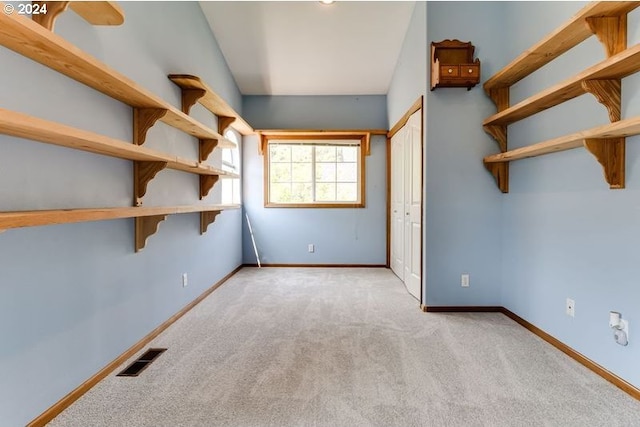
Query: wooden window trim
364	139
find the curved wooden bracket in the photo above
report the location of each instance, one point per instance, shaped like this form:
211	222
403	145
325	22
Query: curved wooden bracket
190	97
499	133
207	218
224	122
143	120
608	93
610	153
146	226
206	148
611	31
53	8
500	172
206	184
143	173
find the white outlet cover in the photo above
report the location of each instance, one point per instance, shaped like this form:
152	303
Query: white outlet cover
571	307
464	280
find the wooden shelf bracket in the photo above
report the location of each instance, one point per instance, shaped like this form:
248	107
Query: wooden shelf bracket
500	97
610	153
143	120
53	8
146	226
499	133
608	93
206	148
206	184
500	172
611	31
207	218
143	173
94	12
190	97
224	122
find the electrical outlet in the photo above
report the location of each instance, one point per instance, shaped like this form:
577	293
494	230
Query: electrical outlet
571	307
464	280
185	280
312	248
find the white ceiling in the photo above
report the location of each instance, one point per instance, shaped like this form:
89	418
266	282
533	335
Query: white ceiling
307	48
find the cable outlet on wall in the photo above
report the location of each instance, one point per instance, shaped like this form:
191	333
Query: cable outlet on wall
464	280
571	307
185	280
312	248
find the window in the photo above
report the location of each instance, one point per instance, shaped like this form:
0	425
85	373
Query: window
231	163
314	171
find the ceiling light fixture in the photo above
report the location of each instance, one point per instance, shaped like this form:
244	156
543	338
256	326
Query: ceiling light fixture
327	1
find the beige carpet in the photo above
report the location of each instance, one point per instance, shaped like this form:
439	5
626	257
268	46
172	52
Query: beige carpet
348	347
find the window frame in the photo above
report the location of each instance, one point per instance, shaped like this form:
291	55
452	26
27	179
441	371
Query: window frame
360	137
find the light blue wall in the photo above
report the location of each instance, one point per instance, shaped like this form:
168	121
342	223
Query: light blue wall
76	296
409	82
340	236
463	206
565	234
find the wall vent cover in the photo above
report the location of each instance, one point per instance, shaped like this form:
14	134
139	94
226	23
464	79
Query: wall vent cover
141	363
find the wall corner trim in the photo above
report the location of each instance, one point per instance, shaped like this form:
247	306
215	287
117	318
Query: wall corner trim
578	357
75	394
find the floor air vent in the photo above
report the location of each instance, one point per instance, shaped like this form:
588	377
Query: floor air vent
141	363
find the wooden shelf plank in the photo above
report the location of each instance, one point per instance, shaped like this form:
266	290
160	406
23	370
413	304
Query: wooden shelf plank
99	12
210	100
557	42
621	129
21	219
29	39
618	66
32	128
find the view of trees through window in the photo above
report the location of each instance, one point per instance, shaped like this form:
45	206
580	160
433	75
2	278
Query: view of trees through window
314	173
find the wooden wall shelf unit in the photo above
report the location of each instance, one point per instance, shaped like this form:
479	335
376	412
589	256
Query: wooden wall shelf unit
195	90
147	218
452	65
34	41
147	162
606	20
94	12
29	39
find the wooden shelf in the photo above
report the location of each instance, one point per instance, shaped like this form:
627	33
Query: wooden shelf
94	12
195	90
29	39
608	21
147	218
558	42
614	68
606	143
28	127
